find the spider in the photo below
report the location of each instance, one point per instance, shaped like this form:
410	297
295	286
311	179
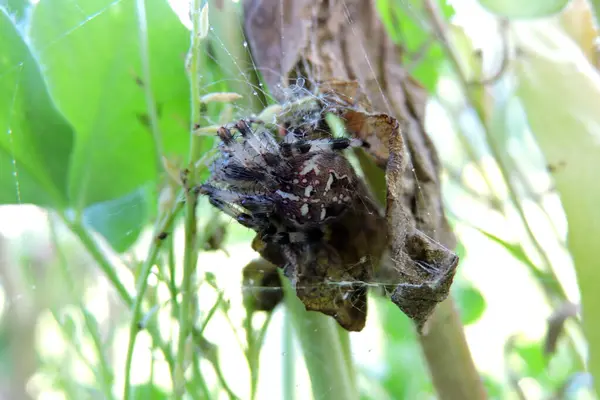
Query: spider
285	190
313	215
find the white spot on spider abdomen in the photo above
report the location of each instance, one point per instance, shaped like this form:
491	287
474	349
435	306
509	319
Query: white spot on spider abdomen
308	191
311	164
288	196
329	183
304	209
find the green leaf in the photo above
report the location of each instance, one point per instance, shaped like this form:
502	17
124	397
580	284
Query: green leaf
92	62
120	220
148	391
403	21
524	9
17	9
406	374
560	93
515	249
470	302
91	55
35	140
533	355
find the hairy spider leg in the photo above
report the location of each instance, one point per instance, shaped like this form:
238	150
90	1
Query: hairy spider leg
236	204
319	145
257	147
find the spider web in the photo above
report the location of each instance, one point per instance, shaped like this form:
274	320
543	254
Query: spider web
224	330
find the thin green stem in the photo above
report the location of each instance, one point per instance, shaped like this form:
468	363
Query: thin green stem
105	265
289	359
142	284
194	71
255	343
190	255
323	353
140	6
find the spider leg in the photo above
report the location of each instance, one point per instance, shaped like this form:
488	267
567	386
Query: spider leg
234	204
318	145
257	146
291	237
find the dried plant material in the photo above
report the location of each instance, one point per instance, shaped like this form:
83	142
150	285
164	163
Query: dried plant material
556	324
344	78
315	217
346	41
173	170
578	21
375	129
269	114
262	289
220	97
166	199
207	130
425	268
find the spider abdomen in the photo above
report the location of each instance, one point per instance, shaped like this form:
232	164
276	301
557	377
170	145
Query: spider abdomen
317	188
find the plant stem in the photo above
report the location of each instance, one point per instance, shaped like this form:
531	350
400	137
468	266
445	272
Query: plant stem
140	7
289	358
448	355
142	284
190	255
323	353
105	265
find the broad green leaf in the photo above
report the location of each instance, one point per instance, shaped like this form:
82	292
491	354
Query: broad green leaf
92	62
524	9
91	57
405	22
17	9
35	140
560	92
119	220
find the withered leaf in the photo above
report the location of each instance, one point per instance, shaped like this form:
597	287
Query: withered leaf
290	37
262	289
425	269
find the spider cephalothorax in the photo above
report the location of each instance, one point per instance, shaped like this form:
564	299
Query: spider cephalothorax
312	213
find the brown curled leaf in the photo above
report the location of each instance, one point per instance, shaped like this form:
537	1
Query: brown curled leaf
425	268
333	277
375	129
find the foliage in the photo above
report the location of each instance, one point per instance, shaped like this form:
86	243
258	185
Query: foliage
82	137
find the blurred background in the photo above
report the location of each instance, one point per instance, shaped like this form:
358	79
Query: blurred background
514	90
